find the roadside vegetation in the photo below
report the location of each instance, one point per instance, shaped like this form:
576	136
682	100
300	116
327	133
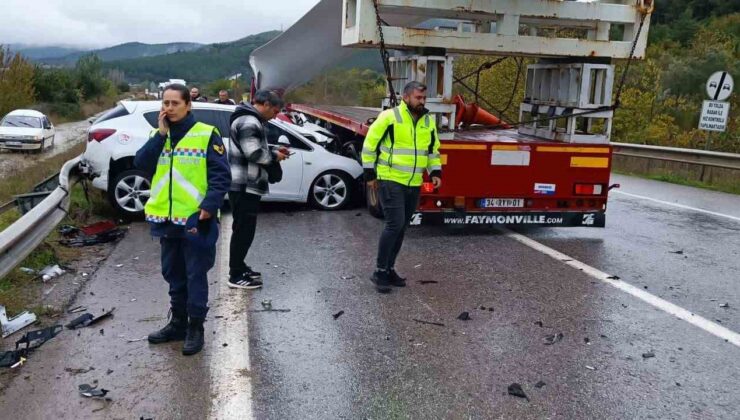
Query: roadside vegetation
64	94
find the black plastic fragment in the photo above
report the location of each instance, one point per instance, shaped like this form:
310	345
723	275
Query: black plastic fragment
34	339
338	314
465	316
516	390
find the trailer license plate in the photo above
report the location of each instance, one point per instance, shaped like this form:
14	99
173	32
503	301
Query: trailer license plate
501	202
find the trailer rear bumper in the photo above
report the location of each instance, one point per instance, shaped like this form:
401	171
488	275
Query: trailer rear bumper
554	219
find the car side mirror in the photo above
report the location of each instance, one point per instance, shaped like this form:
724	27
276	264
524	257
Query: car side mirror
284	140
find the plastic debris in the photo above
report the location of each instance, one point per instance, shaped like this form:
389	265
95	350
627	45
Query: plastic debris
119	265
27	270
590	367
267	304
338	314
77	309
12	359
18	322
350	277
648	355
516	390
428	282
78	371
98	233
587	340
465	316
679	252
724	305
538	323
613	278
553	338
269	310
539	384
50	272
87	319
92	391
34	339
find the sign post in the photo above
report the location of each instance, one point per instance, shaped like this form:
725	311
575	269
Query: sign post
715	113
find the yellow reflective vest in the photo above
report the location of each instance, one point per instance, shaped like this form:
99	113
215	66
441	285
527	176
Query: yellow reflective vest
180	182
399	150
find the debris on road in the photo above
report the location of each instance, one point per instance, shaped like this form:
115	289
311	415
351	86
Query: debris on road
350	277
12	359
78	371
724	305
679	252
27	270
119	265
429	322
18	322
92	391
417	266
34	339
48	291
428	282
465	316
132	340
516	390
648	355
267	304
87	319
338	314
51	271
587	340
552	339
97	233
613	278
539	384
590	367
269	310
538	323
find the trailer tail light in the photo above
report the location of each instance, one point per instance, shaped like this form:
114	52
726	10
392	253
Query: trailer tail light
460	202
427	188
589	189
99	134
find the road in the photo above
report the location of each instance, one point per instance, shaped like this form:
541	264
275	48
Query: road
67	136
674	249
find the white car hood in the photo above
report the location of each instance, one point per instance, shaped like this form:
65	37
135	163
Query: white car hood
20	131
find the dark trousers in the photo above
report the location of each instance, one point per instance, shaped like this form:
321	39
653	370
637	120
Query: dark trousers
399	204
244	209
185	267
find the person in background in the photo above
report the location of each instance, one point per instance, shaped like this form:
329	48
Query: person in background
223	98
249	157
195	95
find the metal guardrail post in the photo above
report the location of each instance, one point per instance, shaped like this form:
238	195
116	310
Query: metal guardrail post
18	240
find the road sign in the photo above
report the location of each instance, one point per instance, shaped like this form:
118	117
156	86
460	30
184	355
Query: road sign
719	86
714	116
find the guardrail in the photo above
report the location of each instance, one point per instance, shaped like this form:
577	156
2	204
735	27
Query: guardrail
713	168
18	240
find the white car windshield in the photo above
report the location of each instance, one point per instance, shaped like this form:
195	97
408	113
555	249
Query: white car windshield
20	121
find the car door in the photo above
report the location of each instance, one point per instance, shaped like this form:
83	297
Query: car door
289	188
48	130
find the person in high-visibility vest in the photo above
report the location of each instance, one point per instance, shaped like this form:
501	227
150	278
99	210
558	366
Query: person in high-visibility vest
190	177
400	145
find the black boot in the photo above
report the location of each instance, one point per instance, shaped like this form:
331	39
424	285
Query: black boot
194	339
381	281
174	331
395	279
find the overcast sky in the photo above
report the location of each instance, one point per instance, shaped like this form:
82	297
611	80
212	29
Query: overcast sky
102	23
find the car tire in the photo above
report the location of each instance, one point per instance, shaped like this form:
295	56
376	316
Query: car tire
129	192
373	203
331	191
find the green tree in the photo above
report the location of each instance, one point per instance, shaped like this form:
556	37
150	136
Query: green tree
16	82
90	80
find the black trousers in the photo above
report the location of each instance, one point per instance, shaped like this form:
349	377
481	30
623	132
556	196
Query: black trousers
244	209
185	268
399	204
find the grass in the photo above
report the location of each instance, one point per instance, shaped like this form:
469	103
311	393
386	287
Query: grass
680	180
24	180
18	290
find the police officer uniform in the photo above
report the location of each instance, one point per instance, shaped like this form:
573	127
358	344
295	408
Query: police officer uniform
190	173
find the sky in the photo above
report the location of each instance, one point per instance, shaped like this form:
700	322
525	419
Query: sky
103	23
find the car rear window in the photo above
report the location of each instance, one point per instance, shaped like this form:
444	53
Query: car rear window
118	111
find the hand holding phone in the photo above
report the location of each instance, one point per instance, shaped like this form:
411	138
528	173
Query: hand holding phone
164	123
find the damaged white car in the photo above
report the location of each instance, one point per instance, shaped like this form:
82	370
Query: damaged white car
319	172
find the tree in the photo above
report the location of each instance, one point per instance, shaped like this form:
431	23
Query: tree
90	78
16	82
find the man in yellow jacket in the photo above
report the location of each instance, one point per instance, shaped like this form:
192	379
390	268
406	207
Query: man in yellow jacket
400	145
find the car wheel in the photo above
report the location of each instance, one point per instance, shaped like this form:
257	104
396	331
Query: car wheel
129	193
373	203
331	191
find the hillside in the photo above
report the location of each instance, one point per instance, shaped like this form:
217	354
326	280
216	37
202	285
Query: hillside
123	51
205	64
34	53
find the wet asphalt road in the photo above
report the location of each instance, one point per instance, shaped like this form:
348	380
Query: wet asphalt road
377	361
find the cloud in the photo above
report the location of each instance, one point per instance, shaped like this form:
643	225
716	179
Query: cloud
98	23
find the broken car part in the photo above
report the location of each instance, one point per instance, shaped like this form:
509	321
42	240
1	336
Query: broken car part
20	321
34	339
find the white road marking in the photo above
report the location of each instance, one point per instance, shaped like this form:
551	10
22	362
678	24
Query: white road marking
681	206
665	306
231	383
